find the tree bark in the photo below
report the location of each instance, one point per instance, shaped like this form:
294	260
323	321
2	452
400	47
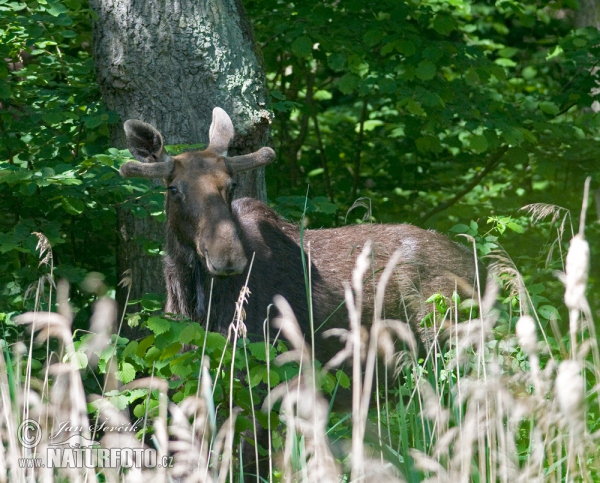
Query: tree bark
169	64
588	14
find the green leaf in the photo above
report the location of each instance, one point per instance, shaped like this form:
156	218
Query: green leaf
472	78
5	90
73	206
512	136
505	62
529	72
325	206
507	52
53	117
151	302
498	72
277	95
152	355
460	228
258	350
549	108
126	373
170	351
549	312
337	61
343	379
119	401
415	108
406	47
348	83
182	370
322	95
302	46
158	325
425	70
429	144
188	334
388	48
130	349
515	227
105	159
478	143
257	374
556	52
30	188
56	9
387	85
260	374
81	359
133	320
373	37
370	124
444	24
144	345
8	243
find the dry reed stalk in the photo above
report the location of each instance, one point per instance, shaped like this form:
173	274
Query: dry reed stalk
499	399
303	409
354	306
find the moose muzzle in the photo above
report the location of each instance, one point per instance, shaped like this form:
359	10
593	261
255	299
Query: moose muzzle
224	253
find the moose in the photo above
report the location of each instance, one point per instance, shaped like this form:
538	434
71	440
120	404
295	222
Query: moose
211	238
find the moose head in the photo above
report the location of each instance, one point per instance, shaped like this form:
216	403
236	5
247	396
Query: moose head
200	189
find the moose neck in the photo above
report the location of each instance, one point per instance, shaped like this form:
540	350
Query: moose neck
185	295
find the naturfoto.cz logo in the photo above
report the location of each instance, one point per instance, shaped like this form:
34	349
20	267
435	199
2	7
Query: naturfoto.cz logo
78	451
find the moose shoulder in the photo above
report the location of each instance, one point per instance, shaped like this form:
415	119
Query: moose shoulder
210	237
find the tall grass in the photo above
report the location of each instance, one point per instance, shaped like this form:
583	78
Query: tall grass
484	407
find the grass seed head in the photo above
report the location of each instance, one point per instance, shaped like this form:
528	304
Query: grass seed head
527	334
569	388
575	278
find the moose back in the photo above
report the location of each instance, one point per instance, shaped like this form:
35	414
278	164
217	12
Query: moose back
210	236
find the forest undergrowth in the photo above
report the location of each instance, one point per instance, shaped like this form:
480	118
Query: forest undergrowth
484	405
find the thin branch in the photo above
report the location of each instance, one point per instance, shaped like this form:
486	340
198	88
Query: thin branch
491	165
322	155
357	154
313	111
11	159
289	146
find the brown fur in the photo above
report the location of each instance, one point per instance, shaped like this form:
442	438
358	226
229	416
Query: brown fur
430	263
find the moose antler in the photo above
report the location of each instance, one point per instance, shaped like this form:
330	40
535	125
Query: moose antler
133	169
246	162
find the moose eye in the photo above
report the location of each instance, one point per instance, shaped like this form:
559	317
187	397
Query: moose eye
173	190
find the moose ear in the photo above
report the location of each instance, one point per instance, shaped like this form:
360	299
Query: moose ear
220	133
145	142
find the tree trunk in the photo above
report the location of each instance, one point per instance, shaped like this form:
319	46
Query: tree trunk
169	64
588	14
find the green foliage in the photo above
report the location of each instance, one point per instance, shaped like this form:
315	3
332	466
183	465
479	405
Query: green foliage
429	89
161	354
51	123
474	107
